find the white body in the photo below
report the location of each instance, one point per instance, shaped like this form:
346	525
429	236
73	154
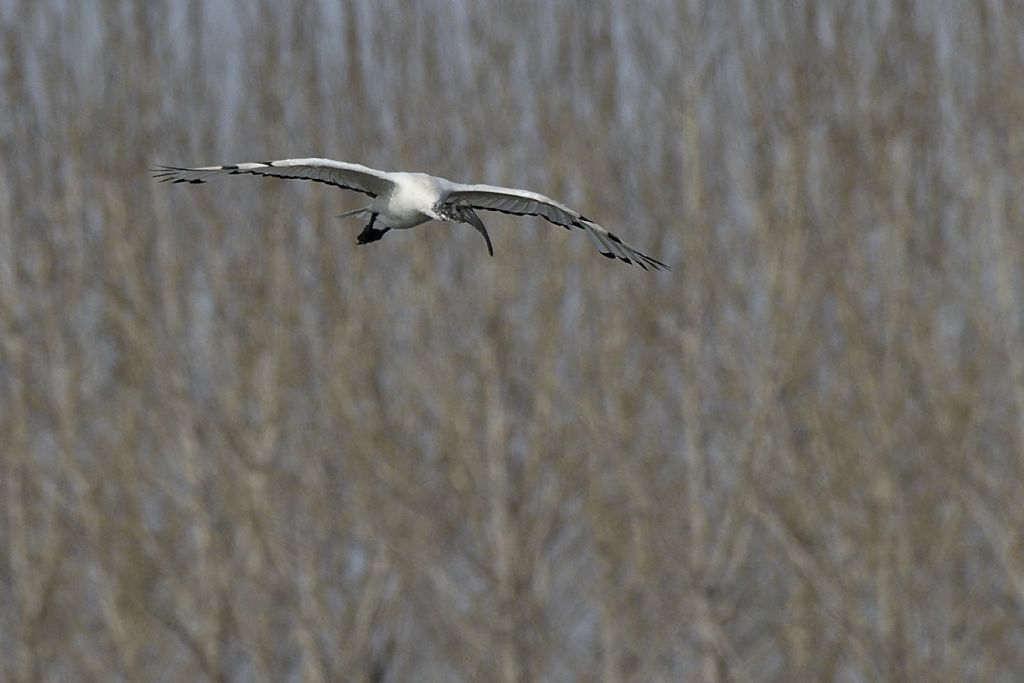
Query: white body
410	201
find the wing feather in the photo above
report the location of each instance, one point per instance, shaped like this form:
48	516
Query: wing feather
356	177
524	203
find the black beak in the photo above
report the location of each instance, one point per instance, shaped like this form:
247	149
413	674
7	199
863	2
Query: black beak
470	217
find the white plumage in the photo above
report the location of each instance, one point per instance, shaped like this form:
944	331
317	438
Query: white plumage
405	200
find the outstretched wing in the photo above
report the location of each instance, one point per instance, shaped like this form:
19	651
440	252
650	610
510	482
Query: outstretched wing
341	174
524	203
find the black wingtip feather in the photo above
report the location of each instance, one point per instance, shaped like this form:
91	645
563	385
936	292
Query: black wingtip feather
654	260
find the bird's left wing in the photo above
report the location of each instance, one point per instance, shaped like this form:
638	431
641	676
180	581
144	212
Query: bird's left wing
524	203
341	174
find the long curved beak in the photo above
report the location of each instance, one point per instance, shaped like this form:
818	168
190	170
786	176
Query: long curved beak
474	220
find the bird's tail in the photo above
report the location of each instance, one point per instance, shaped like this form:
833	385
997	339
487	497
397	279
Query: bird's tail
354	212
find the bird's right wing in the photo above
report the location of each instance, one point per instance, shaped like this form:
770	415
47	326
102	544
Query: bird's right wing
341	174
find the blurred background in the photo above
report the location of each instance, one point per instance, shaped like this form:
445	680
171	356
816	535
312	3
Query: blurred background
237	447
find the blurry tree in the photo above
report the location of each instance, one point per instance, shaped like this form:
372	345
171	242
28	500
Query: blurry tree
237	447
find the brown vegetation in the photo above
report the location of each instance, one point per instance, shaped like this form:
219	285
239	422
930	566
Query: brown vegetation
237	447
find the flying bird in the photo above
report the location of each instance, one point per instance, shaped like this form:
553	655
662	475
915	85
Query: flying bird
405	200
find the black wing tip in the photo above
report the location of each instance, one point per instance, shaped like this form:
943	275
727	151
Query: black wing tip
169	174
642	260
636	258
652	262
159	171
657	264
